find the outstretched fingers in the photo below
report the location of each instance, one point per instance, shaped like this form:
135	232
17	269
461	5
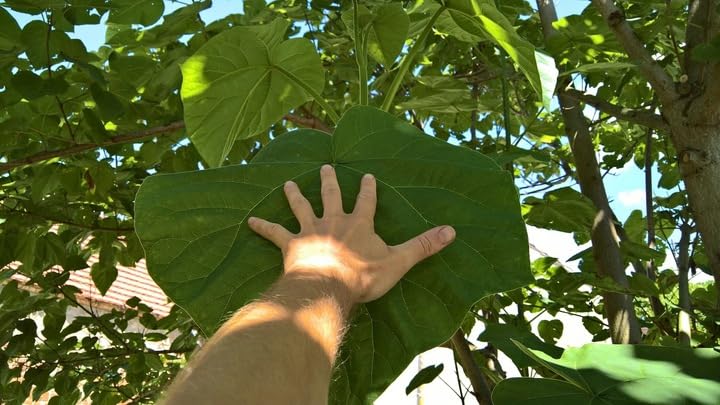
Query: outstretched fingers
299	205
271	231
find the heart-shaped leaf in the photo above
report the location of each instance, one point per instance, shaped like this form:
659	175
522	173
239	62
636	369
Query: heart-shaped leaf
201	252
618	374
387	29
244	80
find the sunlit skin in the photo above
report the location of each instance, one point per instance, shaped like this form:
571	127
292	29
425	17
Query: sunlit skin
281	348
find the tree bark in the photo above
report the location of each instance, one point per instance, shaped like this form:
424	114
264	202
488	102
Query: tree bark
691	108
698	149
619	308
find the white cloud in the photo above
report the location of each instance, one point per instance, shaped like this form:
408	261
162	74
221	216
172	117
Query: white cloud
632	198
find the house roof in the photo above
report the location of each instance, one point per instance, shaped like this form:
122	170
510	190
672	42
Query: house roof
131	282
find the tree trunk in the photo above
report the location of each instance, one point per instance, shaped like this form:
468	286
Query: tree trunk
619	308
690	106
698	149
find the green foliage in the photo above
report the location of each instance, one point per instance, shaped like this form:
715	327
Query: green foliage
503	337
384	30
424	376
563	209
82	127
200	250
475	20
619	374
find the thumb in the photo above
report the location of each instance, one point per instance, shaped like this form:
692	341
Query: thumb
425	245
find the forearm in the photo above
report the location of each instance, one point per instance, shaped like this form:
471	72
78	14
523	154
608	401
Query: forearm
280	349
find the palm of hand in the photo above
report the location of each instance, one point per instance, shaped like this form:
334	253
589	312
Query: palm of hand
344	246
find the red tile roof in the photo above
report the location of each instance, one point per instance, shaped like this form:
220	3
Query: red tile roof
130	282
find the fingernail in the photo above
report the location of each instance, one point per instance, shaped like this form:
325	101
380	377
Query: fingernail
368	176
447	234
327	168
251	220
289	184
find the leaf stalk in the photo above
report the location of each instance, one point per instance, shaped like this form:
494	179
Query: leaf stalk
408	60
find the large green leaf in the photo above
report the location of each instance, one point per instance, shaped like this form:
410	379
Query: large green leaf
475	20
9	31
244	80
387	28
619	374
201	252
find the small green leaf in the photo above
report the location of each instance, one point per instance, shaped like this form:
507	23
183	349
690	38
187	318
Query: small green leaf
244	80
564	210
502	336
424	376
109	105
708	51
449	101
135	69
28	84
642	285
104	273
600	67
640	251
103	276
669	177
145	12
550	330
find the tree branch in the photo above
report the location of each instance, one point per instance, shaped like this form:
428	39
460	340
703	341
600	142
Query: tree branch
310	121
645	118
306	122
472	370
83	147
55	220
660	80
619	308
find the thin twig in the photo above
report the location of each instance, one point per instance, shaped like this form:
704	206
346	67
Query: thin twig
83	147
311	121
646	118
660	80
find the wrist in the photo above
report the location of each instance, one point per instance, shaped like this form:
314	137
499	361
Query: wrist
300	289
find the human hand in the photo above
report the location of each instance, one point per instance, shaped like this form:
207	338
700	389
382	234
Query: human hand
345	247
